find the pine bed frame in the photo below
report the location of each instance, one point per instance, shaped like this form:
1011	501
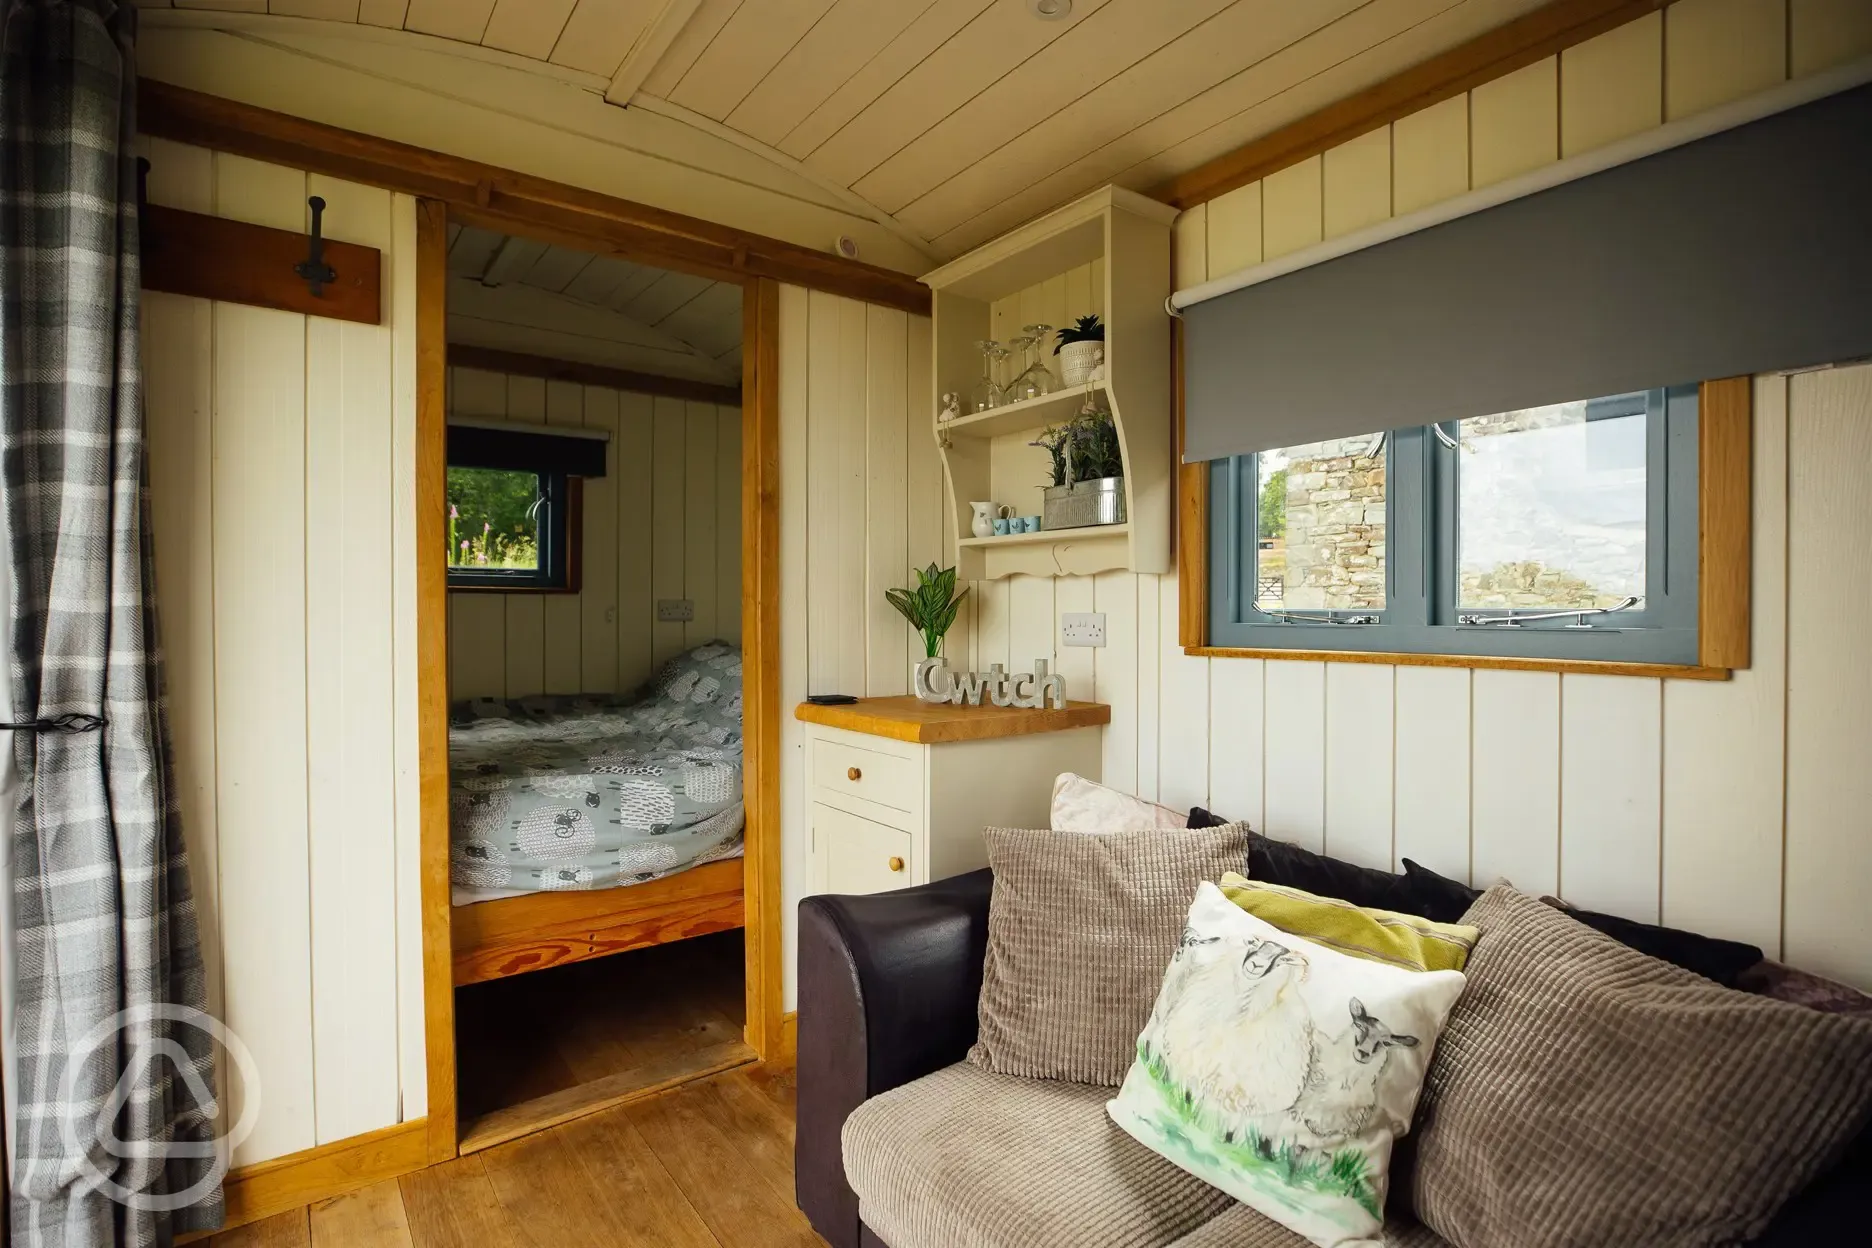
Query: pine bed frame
513	935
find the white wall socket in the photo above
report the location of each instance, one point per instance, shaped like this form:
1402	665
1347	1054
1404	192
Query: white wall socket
675	610
1082	628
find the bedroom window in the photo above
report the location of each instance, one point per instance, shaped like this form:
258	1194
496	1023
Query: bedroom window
509	528
1568	532
514	504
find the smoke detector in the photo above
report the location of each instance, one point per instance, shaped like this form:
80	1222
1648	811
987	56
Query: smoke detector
1050	10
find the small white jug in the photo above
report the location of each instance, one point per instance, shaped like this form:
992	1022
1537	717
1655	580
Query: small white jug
982	525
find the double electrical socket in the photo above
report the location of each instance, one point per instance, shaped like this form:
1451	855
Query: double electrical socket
1082	628
675	610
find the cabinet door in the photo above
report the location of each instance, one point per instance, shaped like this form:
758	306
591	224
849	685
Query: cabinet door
857	855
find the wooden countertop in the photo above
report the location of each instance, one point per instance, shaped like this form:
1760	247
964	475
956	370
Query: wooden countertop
927	723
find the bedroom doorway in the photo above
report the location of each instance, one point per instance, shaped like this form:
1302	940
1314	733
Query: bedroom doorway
609	928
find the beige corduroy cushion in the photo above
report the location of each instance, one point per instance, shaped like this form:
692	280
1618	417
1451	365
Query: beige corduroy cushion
1080	928
1585	1094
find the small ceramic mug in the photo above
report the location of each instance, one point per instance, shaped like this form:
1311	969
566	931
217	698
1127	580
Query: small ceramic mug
1030	524
1001	526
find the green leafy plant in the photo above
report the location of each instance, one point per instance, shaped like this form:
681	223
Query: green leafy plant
493	518
1274	504
1085	329
1090	441
930	607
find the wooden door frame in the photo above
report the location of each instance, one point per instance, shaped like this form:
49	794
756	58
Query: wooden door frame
432	667
760	632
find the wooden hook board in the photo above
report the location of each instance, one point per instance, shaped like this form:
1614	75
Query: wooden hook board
189	253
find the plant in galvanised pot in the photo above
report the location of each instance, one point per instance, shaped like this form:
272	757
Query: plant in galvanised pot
1088	472
1081	351
931	609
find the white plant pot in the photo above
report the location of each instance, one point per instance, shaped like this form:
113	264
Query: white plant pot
1081	362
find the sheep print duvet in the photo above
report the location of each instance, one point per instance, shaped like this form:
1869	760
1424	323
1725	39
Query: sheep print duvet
593	791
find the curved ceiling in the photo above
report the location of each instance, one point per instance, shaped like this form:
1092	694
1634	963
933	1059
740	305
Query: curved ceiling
955	119
516	294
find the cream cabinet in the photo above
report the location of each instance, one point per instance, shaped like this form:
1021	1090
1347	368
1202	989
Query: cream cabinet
899	792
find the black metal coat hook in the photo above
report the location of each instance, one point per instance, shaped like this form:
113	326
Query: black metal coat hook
313	269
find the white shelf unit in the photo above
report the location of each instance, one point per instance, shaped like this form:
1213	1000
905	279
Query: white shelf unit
1124	239
1056	536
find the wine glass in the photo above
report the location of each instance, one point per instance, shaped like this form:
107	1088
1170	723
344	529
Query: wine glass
1010	389
1036	379
986	395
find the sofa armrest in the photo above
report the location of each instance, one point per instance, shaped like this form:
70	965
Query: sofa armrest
887	994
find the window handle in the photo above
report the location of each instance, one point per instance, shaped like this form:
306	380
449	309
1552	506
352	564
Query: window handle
1578	617
1302	618
1443	437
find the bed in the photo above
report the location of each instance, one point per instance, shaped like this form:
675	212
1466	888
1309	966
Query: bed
583	825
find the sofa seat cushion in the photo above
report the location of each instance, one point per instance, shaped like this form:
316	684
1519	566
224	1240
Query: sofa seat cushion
965	1158
1238	1226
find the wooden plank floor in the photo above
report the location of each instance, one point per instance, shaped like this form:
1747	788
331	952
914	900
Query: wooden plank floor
709	1165
546	1032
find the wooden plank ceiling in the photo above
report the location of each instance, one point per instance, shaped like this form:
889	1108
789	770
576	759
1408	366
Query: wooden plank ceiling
515	294
959	118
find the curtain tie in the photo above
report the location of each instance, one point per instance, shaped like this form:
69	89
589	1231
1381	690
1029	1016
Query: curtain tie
73	722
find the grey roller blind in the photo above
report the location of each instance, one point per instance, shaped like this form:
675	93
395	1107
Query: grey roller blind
1747	251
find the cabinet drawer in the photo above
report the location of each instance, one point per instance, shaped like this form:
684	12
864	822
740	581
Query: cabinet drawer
857	855
885	779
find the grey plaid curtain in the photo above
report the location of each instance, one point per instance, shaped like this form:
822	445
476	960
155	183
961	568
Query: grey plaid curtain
116	1114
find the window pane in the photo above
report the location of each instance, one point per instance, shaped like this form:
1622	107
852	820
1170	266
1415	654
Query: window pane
1552	506
1322	527
494	518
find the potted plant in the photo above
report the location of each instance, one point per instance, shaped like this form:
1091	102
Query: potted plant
1088	472
931	609
1081	351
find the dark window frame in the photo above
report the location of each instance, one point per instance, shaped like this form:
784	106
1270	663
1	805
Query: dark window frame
560	526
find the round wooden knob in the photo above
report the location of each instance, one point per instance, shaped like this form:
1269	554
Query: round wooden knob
852	773
896	863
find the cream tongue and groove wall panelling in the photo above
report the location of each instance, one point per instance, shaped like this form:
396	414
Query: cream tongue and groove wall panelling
861	503
281	490
663	522
1671	801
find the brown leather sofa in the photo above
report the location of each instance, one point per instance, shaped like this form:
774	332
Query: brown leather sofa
887	997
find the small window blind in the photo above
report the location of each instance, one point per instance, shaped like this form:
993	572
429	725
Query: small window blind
476	446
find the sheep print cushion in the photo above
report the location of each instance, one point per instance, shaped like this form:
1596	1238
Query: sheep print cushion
1281	1071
